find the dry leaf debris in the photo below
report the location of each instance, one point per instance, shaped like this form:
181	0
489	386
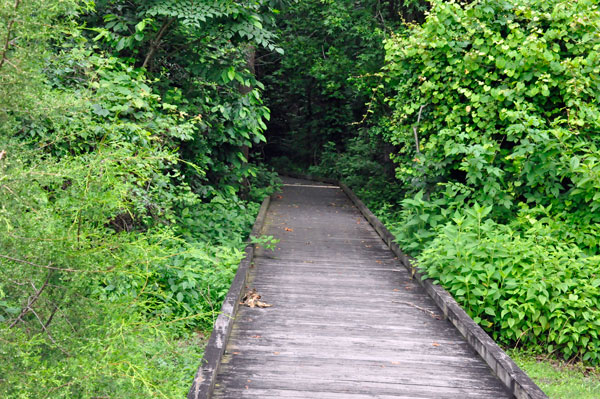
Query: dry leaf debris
252	300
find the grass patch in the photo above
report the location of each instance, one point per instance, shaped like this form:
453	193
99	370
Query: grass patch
560	379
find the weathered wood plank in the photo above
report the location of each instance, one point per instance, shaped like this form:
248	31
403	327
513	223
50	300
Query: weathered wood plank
375	376
303	394
315	383
412	365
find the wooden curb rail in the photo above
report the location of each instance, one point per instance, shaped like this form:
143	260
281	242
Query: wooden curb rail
515	379
204	381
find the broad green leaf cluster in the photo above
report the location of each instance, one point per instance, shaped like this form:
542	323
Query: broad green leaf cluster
531	289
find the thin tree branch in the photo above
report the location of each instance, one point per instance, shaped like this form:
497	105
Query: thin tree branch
31	300
54	268
48	333
415	130
184	46
47	323
9	28
155	44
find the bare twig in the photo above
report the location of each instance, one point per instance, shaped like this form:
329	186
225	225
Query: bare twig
12	65
429	312
48	333
47	323
155	44
9	28
184	46
31	300
54	268
415	130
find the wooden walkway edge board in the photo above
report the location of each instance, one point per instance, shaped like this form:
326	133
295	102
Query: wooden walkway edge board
204	381
511	375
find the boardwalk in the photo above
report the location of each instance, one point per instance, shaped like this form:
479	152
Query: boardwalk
346	319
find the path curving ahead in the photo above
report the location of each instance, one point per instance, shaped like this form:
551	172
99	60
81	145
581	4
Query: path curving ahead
346	319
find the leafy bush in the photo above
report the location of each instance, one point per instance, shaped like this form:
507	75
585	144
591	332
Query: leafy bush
126	194
508	96
531	290
72	308
496	102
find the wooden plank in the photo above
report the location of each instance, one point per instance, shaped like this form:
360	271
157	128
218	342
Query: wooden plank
303	394
315	383
393	366
349	326
354	359
477	379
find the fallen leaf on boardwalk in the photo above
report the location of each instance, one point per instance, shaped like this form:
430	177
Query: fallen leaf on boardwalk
257	336
288	229
280	197
251	299
276	353
395	362
435	344
236	353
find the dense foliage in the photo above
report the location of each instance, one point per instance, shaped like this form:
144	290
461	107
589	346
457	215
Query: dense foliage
131	136
532	289
318	90
487	106
507	97
126	191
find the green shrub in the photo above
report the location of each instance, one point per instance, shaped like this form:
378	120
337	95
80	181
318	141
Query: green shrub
532	290
124	205
508	92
